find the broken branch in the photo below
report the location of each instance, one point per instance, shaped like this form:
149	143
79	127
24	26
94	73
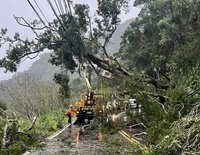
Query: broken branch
5	130
32	124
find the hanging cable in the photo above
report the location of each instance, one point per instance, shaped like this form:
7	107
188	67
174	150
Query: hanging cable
48	28
56	15
52	7
70	10
40	16
57	7
65	4
63	27
61	7
36	13
41	11
45	19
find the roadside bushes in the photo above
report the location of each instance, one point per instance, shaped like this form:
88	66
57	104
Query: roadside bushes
51	122
21	140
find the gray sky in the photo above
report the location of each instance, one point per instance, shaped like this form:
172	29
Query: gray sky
21	8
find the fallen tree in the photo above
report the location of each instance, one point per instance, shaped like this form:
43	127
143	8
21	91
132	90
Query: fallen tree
10	130
184	137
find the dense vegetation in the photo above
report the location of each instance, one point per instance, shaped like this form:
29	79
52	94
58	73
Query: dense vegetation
162	45
160	56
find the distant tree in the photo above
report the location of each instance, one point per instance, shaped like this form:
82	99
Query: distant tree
3	107
28	96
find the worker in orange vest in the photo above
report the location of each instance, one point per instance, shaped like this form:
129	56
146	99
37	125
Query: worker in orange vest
69	112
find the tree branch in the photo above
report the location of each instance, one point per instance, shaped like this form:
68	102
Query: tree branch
26	134
3	111
4	139
161	98
157	84
32	124
27	24
104	64
30	53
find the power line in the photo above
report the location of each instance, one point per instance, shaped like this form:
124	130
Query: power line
63	27
36	12
61	7
51	5
41	11
57	7
45	19
65	4
49	28
70	10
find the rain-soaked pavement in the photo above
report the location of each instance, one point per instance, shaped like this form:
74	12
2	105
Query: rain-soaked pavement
70	142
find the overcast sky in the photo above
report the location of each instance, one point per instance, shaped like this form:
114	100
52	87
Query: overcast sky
21	8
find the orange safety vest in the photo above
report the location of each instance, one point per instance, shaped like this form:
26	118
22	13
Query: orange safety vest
70	111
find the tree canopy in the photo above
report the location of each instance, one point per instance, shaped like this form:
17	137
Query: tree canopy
71	37
163	36
160	49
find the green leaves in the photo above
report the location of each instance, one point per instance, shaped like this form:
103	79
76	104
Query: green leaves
71	38
107	19
166	29
82	12
62	79
3	31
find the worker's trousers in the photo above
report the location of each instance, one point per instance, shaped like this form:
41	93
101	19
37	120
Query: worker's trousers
69	118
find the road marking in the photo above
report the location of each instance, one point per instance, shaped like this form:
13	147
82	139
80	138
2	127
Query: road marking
58	132
133	140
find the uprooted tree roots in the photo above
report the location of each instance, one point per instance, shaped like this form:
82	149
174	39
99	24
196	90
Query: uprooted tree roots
184	138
